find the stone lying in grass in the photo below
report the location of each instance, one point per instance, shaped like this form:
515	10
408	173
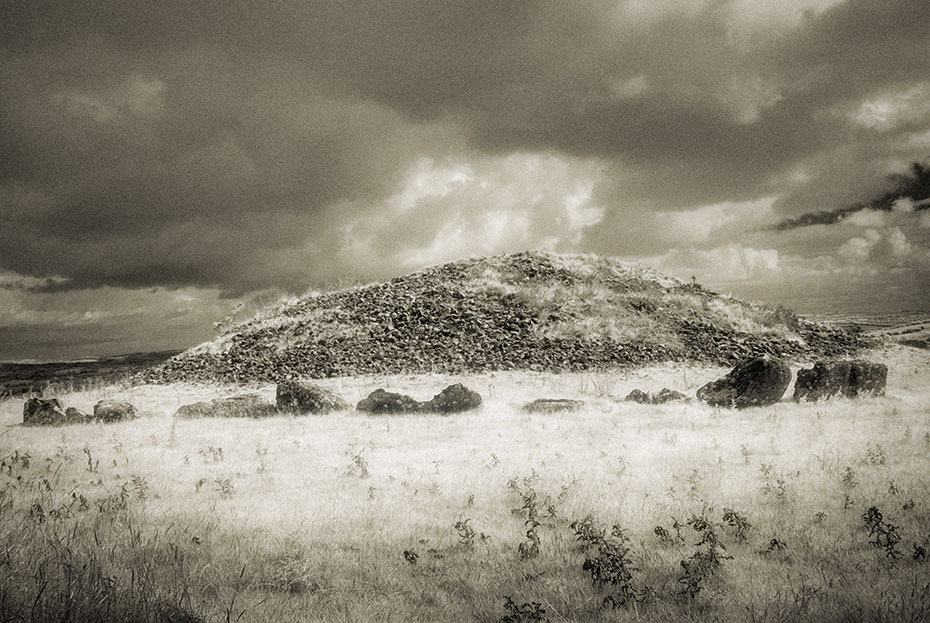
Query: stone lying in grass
75	415
552	405
43	412
385	402
840	378
754	382
113	411
243	405
665	395
453	399
48	412
303	397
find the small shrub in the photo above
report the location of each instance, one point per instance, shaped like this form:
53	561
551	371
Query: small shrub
705	561
738	522
466	533
530	509
849	478
224	486
523	613
358	466
140	486
609	562
875	455
883	534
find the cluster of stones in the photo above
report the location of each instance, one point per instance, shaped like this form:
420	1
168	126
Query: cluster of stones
302	398
50	412
758	381
763	381
439	321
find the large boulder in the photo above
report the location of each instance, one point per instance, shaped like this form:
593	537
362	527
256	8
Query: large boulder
665	395
43	412
303	397
453	399
754	382
113	411
552	405
380	402
837	377
243	405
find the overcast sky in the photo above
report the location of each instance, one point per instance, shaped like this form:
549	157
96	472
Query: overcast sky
165	162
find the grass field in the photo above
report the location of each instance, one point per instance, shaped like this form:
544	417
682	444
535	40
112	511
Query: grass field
755	515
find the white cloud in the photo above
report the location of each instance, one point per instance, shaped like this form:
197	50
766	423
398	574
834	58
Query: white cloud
886	111
725	264
866	218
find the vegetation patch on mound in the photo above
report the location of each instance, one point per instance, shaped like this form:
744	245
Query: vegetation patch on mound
530	310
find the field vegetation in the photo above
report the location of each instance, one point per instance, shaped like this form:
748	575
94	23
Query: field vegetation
614	512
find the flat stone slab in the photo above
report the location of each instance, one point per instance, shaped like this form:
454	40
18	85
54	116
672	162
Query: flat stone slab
242	405
552	405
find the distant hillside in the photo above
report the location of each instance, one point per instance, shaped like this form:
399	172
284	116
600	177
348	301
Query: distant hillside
24	378
531	310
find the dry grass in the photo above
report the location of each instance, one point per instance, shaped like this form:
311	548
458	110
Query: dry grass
308	519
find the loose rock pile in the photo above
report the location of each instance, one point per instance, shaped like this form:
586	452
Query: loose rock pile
456	319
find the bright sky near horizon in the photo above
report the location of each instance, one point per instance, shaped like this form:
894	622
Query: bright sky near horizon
165	162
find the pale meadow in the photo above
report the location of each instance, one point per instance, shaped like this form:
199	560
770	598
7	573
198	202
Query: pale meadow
350	517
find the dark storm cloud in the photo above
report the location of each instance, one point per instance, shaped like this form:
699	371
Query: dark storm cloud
174	143
913	187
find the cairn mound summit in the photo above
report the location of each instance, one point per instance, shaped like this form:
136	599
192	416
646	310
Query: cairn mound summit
531	311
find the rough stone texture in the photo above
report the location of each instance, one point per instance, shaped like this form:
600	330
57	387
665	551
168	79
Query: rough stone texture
243	405
840	378
113	411
303	397
380	401
754	382
867	377
825	379
665	395
447	319
453	399
552	405
75	415
43	412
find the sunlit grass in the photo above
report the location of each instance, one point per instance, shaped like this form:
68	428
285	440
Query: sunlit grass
274	519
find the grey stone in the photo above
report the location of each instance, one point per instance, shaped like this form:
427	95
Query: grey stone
76	416
453	399
665	395
113	411
43	412
303	397
243	405
758	381
384	402
838	377
553	405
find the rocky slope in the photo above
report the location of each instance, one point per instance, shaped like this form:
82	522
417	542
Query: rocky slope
531	310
